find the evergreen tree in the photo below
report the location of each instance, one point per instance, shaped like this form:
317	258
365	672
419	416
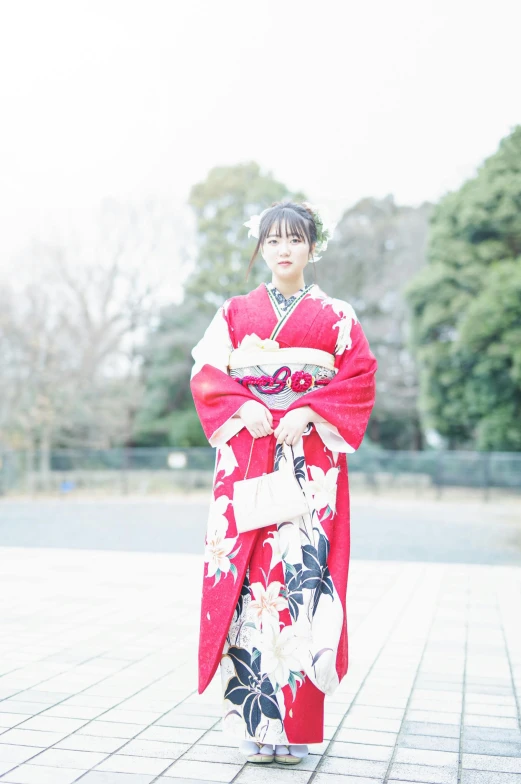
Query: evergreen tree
377	247
467	308
222	203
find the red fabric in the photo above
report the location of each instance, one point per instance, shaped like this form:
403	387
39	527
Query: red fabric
346	403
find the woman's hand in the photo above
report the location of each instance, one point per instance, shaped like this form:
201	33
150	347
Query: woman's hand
292	425
257	419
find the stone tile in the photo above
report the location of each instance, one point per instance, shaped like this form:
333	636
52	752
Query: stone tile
257	774
12	719
132	717
492	747
73	712
77	742
196	708
400	781
428	742
97	777
185	720
215	771
91	701
354	767
499	764
18	706
6	766
227	754
63	758
429	717
367	737
424	773
11	753
154	748
360	751
491	691
427	757
140	702
490	699
426	728
219	739
50	724
170	780
368	723
488	777
314	748
31	737
491	733
46	697
376	712
120	763
171	734
441	705
488	709
36	774
494	722
111	729
328	778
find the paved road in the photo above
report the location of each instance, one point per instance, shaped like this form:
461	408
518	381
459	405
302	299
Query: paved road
382	529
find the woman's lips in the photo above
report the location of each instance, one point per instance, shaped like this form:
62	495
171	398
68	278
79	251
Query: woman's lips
285	263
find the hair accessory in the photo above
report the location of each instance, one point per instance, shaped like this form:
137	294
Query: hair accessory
254	224
324	231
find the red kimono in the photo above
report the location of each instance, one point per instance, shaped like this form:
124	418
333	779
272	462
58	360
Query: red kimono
273	608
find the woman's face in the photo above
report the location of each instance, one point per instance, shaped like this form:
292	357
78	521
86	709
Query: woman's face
287	255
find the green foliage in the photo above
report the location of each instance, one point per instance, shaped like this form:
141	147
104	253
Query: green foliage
467	308
222	203
377	247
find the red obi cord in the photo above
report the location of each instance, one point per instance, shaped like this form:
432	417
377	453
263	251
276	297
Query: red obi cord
299	381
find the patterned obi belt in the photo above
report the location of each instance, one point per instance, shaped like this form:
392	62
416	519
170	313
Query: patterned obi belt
284	373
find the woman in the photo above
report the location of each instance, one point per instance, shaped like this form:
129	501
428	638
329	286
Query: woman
282	364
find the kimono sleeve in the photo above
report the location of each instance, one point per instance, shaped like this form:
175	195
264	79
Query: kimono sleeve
217	396
347	401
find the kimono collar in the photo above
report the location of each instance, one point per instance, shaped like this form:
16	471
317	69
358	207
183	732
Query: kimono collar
284	302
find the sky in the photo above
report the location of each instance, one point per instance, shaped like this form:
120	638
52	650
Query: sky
130	100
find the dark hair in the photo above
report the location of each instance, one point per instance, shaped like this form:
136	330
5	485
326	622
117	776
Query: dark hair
298	219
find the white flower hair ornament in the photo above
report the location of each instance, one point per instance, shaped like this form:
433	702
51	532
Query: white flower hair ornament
324	230
253	224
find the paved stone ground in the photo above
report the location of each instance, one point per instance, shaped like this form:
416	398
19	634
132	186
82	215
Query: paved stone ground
98	675
387	527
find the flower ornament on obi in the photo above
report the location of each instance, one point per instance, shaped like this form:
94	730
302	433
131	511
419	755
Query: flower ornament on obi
301	381
254	341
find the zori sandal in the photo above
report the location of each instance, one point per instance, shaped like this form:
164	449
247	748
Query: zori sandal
257	753
292	755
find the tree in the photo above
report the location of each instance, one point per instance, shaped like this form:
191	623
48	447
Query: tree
69	342
222	203
467	310
377	247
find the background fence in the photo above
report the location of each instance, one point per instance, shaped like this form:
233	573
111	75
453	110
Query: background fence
156	470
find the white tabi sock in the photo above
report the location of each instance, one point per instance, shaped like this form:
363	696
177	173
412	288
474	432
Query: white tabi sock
296	750
249	747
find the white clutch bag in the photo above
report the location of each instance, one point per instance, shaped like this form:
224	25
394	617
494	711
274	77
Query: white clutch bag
271	498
